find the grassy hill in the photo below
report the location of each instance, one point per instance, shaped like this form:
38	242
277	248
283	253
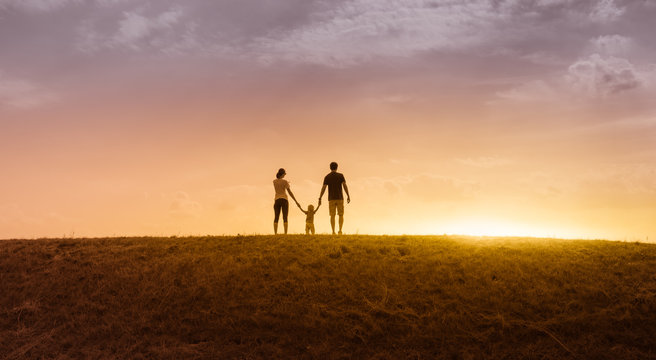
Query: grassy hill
325	297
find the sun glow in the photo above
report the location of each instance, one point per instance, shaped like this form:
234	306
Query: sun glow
496	227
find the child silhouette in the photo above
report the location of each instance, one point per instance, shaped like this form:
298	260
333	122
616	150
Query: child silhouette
309	218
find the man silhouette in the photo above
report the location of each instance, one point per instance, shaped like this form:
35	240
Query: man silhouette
335	181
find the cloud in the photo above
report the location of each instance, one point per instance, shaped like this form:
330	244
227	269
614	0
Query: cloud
172	31
391	188
619	186
182	206
422	188
532	91
486	162
358	31
52	5
601	76
431	188
238	198
362	30
642	124
542	58
112	2
166	31
391	99
335	34
15	219
612	45
594	77
22	94
134	27
552	2
606	11
37	5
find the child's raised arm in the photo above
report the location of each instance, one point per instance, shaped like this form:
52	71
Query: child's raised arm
299	206
317	208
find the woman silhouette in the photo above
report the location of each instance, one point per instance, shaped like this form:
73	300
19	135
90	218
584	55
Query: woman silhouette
280	201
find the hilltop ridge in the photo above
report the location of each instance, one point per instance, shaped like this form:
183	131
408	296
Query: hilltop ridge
298	296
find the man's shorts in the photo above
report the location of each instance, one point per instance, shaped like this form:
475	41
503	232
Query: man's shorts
336	205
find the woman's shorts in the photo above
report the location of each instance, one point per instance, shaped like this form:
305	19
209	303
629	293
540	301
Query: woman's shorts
280	204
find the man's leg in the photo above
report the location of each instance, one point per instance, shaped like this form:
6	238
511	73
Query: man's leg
285	225
332	223
275	228
332	209
340	212
341	223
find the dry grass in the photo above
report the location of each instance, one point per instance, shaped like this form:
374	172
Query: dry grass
324	297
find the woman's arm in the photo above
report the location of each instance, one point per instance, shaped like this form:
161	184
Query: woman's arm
289	190
299	206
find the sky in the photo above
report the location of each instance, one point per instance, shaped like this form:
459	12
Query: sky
481	117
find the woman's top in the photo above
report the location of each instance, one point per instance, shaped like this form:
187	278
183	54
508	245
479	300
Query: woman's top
281	185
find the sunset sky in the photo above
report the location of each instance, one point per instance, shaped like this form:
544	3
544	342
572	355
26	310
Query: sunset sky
483	117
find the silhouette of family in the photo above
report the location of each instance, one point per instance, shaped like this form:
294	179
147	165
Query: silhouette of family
334	181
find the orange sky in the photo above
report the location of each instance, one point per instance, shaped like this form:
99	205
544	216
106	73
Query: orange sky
132	118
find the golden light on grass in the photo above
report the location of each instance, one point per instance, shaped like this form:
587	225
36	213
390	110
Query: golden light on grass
487	226
327	297
496	227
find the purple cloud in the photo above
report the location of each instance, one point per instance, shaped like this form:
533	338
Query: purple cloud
603	76
22	94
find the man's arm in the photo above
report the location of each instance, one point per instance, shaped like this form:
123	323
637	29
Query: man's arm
348	197
323	188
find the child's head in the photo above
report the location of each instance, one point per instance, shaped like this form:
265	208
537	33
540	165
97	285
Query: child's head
310	207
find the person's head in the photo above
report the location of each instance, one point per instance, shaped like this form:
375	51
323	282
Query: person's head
333	166
281	173
310	207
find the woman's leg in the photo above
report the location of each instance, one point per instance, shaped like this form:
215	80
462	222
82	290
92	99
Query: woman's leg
285	211
277	206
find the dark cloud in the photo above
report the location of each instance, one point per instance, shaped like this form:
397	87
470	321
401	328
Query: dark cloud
429	44
336	33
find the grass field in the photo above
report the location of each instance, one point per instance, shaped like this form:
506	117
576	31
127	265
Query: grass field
325	297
